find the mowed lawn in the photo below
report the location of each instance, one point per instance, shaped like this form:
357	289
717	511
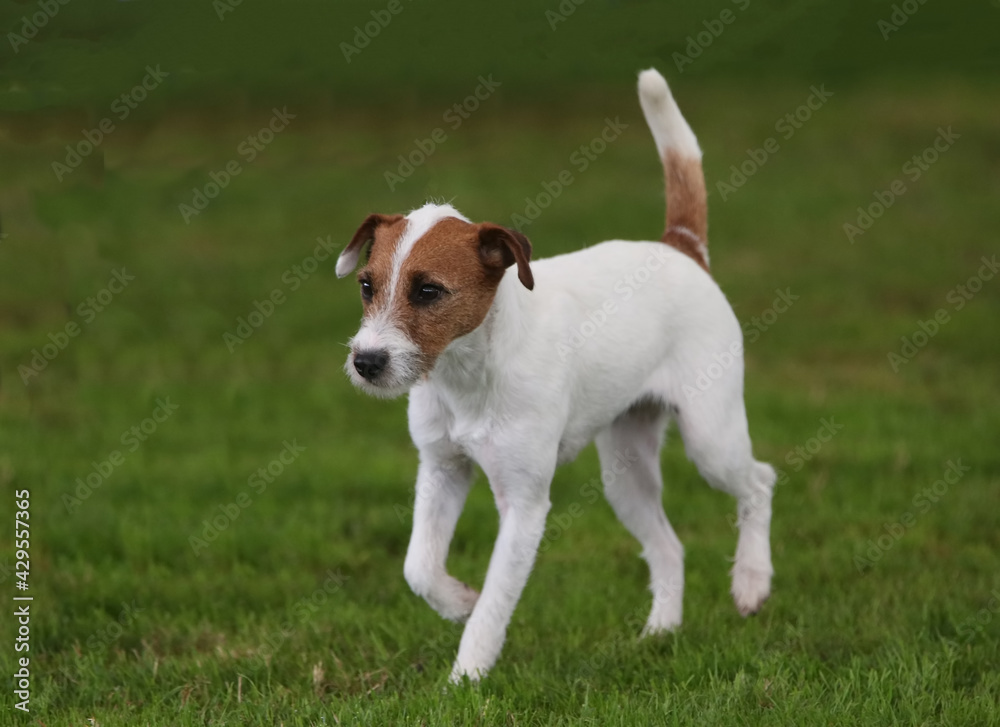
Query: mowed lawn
237	556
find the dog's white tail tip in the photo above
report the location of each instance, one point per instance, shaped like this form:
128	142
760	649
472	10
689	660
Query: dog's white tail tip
653	86
670	130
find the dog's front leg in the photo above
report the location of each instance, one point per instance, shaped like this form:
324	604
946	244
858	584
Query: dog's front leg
443	482
521	530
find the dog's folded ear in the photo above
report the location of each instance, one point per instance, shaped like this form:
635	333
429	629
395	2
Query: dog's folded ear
348	259
500	247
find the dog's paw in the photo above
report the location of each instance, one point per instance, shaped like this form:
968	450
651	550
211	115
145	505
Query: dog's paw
663	619
651	629
750	589
461	600
460	673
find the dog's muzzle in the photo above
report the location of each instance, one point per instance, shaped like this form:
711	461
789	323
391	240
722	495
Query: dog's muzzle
383	361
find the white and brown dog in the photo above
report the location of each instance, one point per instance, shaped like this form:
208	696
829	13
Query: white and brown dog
504	372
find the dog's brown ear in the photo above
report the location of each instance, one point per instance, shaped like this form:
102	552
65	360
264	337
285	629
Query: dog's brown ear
500	248
348	259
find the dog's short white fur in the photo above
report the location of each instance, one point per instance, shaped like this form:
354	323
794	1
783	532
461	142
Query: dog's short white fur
535	383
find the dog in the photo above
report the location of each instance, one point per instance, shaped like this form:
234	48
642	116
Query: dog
503	371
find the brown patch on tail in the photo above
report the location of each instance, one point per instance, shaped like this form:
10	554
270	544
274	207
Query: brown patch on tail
687	206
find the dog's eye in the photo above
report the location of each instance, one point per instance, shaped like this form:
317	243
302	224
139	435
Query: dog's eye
427	293
367	291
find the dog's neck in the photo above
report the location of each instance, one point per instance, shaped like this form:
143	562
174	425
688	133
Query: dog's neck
472	365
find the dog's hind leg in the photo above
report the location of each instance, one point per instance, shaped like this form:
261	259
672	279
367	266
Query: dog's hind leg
443	483
714	428
630	463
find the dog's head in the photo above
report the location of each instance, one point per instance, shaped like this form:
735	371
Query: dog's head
429	277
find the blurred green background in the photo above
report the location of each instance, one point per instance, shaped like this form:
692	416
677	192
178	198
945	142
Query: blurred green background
296	611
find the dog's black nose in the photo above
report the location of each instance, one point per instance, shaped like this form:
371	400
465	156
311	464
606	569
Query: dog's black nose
370	363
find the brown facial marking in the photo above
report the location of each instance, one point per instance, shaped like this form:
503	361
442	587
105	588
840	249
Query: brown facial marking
687	204
453	256
367	231
378	266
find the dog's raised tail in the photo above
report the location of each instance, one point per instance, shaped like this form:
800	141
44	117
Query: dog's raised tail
687	205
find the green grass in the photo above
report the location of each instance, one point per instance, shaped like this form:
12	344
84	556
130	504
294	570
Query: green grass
894	643
267	52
